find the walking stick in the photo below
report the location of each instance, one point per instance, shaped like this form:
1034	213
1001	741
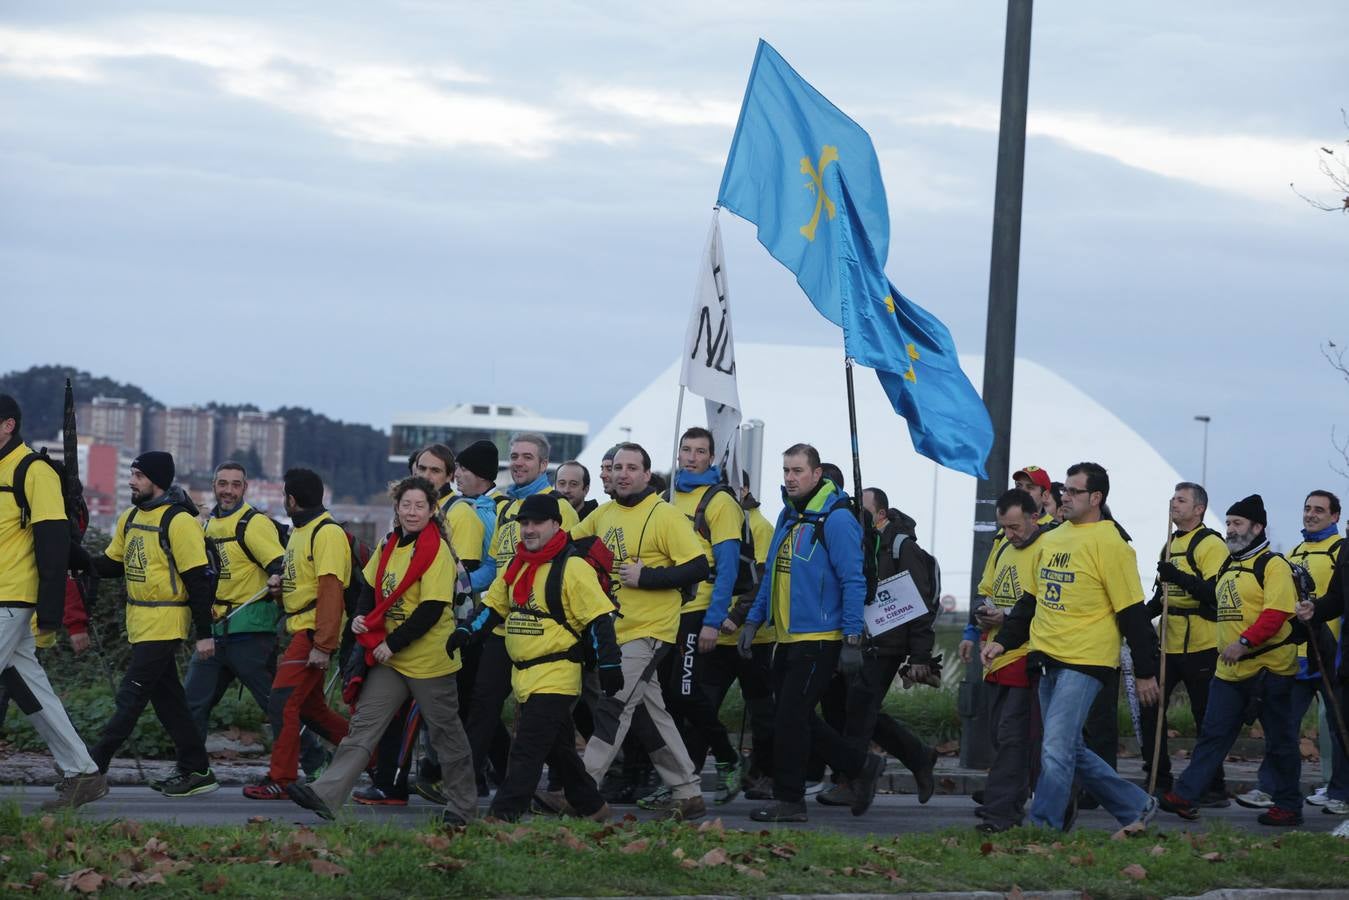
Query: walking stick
1161	669
1315	651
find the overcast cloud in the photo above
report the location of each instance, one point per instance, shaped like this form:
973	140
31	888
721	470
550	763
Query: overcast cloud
364	207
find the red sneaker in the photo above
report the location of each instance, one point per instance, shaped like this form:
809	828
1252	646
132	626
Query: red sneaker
1175	803
1277	816
266	790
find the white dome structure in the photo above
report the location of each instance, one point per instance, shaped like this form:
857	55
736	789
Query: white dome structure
800	395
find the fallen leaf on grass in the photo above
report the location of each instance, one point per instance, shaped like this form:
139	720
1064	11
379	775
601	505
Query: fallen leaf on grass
688	864
1015	893
713	826
171	866
1088	860
214	885
15	887
714	857
637	846
950	842
1037	850
434	841
678	853
511	837
137	880
567	839
1131	830
1134	871
327	869
304	837
749	871
783	851
86	881
46	822
1213	857
449	864
258	820
1157	850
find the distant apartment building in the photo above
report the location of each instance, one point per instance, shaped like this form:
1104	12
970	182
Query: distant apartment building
188	432
263	434
112	420
460	425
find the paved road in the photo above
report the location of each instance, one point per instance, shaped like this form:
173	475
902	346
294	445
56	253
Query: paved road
891	813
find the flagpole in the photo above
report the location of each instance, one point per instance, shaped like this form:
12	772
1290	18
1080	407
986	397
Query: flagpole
674	460
852	430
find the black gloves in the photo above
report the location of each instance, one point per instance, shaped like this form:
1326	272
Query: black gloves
1168	572
460	639
611	679
850	661
745	643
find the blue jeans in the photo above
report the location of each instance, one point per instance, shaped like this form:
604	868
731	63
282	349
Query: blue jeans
1223	720
1066	696
1303	690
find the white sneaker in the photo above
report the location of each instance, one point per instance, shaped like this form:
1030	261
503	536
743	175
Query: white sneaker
1255	799
1341	830
814	787
1335	807
1318	797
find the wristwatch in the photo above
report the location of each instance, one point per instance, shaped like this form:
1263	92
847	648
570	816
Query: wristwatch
1244	641
852	640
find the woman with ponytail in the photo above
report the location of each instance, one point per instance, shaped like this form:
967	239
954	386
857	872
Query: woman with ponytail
404	621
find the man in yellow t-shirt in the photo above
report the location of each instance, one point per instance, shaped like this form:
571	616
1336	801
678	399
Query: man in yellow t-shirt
656	555
550	602
1256	602
1187	572
158	548
714	512
35	541
1081	594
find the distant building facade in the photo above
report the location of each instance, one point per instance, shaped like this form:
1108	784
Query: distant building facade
188	432
112	420
460	425
263	434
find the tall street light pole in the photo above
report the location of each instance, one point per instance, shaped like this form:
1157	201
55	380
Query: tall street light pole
999	345
1203	469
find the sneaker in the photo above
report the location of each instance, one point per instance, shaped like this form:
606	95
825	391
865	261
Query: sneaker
926	778
1174	803
729	779
865	784
1137	826
758	787
1330	808
1318	797
1279	817
77	790
189	784
839	795
1341	830
1213	800
266	789
373	796
992	828
430	791
681	810
448	819
305	796
658	799
1255	799
313	775
814	787
550	803
782	811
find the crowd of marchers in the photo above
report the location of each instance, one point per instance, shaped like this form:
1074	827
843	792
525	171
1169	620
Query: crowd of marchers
626	621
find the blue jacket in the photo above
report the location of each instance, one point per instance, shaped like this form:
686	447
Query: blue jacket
828	588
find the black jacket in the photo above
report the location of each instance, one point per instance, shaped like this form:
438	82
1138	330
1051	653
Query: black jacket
915	639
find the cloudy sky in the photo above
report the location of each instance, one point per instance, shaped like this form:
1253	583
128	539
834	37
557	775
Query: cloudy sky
366	207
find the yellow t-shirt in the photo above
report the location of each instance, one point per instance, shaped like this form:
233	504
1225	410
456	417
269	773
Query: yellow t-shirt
157	608
1082	577
656	533
531	632
465	528
725	520
1316	557
1009	569
425	657
1241	599
507	536
42	488
762	529
1189	633
312	551
240	577
780	592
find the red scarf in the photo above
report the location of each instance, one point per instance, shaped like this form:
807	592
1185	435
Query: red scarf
530	560
424	553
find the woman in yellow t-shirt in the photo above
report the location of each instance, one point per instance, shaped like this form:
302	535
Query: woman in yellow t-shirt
405	621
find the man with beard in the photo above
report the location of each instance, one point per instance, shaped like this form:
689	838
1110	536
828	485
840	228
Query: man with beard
160	550
656	555
1257	597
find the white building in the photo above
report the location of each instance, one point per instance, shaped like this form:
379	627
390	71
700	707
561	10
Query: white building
799	393
460	425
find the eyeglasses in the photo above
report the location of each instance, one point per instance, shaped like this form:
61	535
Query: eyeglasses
1075	491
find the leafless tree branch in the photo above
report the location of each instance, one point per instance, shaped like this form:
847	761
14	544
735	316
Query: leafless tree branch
1335	166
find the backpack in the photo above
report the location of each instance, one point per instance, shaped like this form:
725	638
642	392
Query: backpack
870	540
1303	583
241	528
488	517
601	559
213	561
1200	533
77	513
929	564
360	555
1333	551
749	572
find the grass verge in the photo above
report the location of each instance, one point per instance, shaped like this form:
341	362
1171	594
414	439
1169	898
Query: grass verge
50	855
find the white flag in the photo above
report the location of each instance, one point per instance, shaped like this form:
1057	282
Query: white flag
709	351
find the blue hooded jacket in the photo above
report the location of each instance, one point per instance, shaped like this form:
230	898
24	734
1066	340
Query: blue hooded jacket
828	588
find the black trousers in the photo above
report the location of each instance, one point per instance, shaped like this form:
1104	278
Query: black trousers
1101	731
487	736
1194	670
724	667
801	674
152	678
866	722
391	776
1009	778
688	700
544	732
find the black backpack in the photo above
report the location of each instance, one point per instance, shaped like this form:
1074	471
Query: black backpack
1302	583
77	513
601	559
870	540
1199	534
929	563
749	571
213	561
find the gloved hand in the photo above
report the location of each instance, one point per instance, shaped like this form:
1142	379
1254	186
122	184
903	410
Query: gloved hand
460	639
1167	572
850	661
745	643
611	679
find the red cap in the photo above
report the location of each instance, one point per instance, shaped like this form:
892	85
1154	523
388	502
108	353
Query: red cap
1038	476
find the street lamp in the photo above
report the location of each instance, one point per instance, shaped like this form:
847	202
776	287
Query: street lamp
1203	471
